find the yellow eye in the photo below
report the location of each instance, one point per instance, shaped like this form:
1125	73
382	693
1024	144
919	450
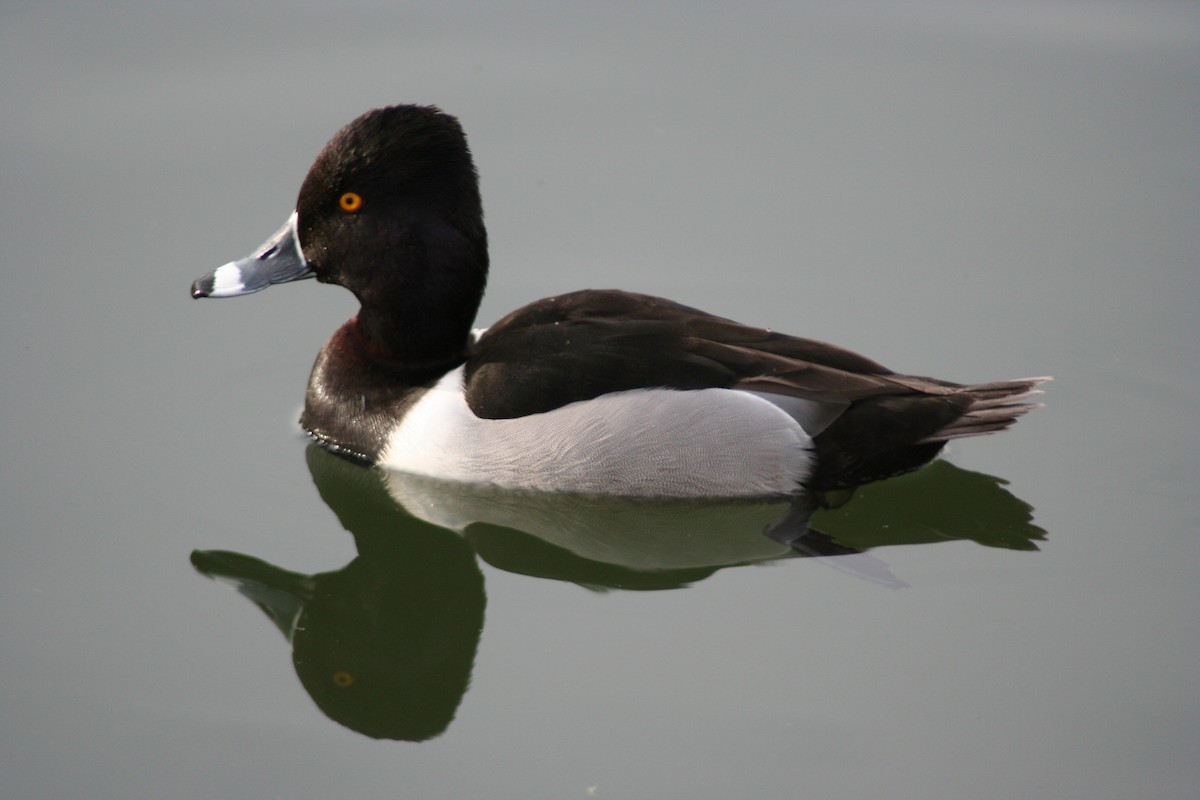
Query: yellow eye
350	202
343	679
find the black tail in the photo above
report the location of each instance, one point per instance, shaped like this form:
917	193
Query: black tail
993	407
890	434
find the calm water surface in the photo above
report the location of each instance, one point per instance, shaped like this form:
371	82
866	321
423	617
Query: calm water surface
972	190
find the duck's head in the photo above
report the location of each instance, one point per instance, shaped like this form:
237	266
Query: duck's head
391	211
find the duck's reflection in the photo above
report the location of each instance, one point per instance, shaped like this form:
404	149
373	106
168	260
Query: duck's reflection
385	645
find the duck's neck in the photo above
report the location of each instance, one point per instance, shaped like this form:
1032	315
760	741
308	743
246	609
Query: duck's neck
411	347
414	326
421	319
361	384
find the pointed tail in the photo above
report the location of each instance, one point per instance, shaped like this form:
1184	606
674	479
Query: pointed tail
994	407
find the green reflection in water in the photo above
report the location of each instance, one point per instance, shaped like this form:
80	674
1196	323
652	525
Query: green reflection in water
386	644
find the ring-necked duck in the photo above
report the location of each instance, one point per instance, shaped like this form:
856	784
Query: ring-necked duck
594	391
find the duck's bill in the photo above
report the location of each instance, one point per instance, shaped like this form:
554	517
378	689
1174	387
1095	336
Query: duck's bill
278	260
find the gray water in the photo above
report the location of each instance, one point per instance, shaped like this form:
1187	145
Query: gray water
972	190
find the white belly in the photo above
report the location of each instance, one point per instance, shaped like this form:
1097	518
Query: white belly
655	442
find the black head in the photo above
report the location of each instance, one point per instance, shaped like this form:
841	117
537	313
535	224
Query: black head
391	211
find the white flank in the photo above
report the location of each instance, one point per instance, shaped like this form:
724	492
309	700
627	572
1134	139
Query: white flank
649	442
